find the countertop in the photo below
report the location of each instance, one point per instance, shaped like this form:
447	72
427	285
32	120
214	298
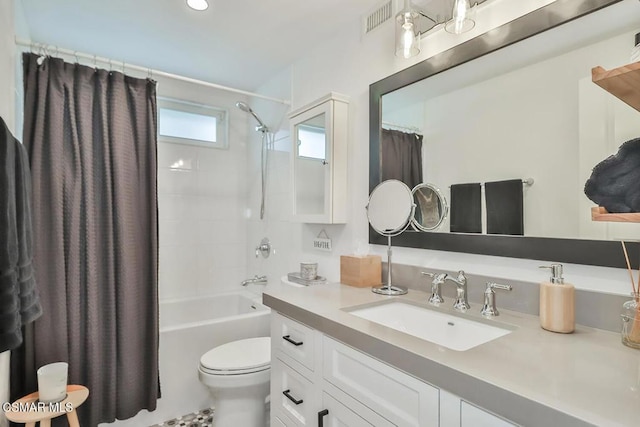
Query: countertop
531	376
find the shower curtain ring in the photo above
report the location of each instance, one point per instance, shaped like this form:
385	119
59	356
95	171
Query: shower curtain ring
75	55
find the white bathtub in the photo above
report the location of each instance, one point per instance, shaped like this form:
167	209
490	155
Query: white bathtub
223	308
188	329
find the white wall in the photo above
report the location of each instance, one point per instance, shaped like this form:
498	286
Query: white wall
202	218
348	64
7	112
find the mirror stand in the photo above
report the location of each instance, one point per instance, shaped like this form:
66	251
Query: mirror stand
388	288
390	211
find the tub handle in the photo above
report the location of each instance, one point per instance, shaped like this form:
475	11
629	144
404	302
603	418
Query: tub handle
291	398
288	338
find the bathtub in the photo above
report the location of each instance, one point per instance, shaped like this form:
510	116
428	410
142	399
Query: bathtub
188	329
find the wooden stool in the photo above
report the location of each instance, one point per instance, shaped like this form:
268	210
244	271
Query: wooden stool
76	395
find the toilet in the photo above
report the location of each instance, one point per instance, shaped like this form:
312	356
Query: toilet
237	375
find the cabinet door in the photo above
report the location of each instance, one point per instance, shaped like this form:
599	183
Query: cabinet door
396	396
319	161
472	416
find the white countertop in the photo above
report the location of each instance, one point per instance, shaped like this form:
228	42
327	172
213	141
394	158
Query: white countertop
530	376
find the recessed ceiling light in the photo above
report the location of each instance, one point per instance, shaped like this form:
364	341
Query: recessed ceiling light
198	4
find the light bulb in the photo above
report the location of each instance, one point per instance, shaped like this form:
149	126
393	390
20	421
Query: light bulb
198	5
460	21
408	39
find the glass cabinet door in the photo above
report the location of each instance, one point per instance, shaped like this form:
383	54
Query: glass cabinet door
319	161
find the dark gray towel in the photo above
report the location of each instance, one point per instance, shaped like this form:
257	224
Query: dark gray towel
19	302
466	208
505	207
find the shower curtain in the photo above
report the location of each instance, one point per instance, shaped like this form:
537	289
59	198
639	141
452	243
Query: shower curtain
401	157
91	138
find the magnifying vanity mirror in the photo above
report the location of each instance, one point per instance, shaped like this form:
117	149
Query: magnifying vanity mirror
390	211
431	207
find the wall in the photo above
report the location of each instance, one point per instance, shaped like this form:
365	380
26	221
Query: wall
7	112
202	217
348	64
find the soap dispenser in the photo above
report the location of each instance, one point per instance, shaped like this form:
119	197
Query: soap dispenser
557	303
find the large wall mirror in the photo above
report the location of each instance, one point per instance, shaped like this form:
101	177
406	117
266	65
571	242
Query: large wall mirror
516	104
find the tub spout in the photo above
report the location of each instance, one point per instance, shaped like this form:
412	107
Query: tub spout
255	279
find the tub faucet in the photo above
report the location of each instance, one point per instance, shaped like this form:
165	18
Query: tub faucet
461	303
255	279
436	284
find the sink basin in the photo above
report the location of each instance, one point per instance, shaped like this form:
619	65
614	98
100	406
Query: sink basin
453	332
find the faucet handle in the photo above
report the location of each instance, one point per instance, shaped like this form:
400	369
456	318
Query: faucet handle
489	308
436	293
435	276
491	285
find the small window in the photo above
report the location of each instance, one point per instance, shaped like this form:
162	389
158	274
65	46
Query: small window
183	122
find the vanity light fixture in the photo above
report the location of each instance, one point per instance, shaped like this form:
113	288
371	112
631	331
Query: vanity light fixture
407	32
412	22
198	5
461	18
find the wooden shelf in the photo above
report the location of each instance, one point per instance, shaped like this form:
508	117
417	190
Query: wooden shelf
622	82
599	213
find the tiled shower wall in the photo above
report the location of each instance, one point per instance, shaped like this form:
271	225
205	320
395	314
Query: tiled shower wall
202	205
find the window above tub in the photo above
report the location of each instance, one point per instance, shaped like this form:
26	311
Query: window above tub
183	122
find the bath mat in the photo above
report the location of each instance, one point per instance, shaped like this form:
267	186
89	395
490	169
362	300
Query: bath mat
202	418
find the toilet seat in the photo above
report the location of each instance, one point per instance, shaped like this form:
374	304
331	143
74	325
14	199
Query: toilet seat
238	357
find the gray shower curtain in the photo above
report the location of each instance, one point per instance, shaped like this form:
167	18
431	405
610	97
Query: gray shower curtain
91	138
401	157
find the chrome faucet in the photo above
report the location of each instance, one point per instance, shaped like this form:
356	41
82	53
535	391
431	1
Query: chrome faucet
461	303
489	308
256	279
436	283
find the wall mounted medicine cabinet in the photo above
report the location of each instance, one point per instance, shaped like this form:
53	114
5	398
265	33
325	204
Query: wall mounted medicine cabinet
319	160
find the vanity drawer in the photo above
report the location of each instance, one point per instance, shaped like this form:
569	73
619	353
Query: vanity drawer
294	339
396	396
292	395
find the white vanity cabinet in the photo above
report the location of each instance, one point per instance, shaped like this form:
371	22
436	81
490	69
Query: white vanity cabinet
318	381
319	133
312	373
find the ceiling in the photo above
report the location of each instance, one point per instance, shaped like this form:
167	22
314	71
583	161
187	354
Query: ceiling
239	43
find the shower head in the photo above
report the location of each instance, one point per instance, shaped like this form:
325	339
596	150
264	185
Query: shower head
245	107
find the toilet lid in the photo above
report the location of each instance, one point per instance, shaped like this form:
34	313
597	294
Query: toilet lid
243	356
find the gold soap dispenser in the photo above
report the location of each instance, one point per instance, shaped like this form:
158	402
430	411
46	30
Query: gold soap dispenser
557	303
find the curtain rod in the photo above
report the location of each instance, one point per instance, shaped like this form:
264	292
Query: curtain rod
49	49
413	129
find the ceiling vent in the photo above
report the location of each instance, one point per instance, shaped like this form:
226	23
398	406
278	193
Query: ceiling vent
378	16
